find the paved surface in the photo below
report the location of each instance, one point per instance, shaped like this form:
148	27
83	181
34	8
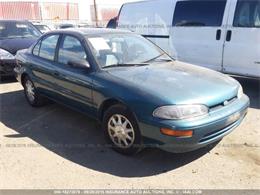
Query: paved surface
44	148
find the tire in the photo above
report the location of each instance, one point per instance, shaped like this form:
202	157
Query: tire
124	136
31	94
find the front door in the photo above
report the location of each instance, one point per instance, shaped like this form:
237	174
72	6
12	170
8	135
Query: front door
75	84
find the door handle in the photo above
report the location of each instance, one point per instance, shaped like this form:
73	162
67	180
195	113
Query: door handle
56	73
218	35
229	35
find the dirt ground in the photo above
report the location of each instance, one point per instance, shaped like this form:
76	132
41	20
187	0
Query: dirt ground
54	147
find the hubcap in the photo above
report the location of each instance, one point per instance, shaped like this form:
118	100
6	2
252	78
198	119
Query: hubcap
30	90
121	131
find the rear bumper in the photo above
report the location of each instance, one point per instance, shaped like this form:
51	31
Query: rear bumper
206	130
7	67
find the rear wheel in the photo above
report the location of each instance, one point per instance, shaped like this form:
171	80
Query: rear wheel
121	130
31	94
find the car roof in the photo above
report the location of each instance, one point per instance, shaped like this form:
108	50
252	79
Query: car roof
87	31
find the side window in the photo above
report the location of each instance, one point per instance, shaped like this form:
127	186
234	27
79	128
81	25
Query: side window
48	47
36	48
247	14
71	49
256	15
199	13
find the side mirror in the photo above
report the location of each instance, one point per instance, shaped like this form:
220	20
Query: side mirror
78	63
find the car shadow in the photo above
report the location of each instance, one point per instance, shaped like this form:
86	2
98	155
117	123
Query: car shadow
79	139
252	90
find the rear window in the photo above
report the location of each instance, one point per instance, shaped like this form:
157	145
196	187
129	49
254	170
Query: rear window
199	13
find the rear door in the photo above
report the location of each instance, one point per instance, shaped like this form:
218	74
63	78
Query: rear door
242	46
198	30
43	68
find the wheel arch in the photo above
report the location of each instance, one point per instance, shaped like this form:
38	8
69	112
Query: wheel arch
110	102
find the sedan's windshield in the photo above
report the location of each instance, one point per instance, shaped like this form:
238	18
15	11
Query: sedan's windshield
124	49
16	29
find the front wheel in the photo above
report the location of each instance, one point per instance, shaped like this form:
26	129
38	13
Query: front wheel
121	130
31	95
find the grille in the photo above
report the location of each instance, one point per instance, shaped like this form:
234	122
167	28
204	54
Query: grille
222	104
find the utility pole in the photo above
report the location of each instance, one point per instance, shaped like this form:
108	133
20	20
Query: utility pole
68	11
96	14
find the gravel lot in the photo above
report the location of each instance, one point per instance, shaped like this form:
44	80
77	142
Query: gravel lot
45	148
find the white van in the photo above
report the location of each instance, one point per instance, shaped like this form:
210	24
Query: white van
223	35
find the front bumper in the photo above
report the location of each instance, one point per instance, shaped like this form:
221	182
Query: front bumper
206	130
7	67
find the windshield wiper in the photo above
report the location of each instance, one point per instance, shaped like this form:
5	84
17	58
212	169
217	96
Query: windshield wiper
125	65
154	58
158	57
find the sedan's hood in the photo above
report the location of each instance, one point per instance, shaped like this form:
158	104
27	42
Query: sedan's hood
180	83
13	45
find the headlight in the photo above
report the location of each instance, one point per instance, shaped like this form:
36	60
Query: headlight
240	92
5	55
178	112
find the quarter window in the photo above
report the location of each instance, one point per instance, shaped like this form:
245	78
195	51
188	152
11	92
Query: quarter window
36	48
199	13
71	49
48	47
247	14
